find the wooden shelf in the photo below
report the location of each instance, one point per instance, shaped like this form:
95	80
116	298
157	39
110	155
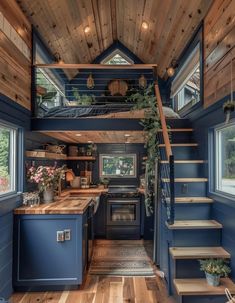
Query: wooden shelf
195	224
198	252
45	155
54	156
82	158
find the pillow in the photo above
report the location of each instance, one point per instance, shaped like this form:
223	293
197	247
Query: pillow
169	113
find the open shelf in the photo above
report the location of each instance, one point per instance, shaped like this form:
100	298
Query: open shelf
82	158
54	156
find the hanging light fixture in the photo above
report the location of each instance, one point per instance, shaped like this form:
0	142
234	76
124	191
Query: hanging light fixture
145	25
90	83
170	71
142	82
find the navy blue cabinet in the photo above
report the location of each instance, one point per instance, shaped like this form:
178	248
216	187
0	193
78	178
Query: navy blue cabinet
40	258
100	218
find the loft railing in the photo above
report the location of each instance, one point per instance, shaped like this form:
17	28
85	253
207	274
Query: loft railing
59	88
166	164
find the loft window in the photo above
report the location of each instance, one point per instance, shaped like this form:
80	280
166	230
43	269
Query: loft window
8	137
225	159
185	89
117	58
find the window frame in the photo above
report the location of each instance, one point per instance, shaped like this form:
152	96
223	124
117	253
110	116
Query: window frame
13	163
214	156
114	53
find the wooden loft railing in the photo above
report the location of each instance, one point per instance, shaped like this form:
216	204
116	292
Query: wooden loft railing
167	189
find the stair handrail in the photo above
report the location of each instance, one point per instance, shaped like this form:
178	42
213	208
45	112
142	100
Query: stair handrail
163	122
169	154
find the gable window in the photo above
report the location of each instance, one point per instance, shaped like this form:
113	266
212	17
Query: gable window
8	136
225	159
185	89
117	58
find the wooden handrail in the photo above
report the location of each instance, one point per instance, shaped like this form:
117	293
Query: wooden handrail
95	66
163	122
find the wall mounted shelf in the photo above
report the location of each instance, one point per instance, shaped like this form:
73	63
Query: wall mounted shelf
82	158
54	156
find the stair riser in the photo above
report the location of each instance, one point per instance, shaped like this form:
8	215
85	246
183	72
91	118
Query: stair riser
179	123
192	211
193	189
179	137
194	170
183	152
196	237
182	269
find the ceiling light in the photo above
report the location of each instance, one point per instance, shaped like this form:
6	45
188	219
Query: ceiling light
87	29
145	25
89	141
170	71
78	135
127	135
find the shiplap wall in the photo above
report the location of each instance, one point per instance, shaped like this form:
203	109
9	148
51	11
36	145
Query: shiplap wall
219	50
15	54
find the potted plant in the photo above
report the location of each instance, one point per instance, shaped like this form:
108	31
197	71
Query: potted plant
47	178
105	182
214	269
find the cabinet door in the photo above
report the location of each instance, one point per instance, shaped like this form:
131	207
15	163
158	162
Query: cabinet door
41	259
84	242
100	218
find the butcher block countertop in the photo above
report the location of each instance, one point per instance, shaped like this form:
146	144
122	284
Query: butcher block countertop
84	191
64	206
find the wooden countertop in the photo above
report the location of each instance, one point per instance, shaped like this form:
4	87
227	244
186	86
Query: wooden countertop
84	191
67	205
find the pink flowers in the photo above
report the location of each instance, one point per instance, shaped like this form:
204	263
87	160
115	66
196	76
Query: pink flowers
45	176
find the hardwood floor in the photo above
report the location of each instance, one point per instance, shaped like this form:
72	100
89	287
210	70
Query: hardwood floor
104	289
108	289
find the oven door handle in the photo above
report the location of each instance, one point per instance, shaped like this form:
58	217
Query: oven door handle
131	201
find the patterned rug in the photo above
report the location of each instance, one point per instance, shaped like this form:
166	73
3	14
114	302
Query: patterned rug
121	258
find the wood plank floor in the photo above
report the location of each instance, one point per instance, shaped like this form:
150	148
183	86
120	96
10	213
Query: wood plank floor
103	289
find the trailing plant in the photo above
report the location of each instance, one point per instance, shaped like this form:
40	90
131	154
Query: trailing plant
82	99
216	267
146	100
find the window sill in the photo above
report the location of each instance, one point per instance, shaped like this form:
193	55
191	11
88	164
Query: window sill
223	198
10	196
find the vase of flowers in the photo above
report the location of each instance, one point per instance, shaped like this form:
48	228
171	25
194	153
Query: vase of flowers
47	178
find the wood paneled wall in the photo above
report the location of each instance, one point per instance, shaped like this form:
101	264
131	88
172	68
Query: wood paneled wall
219	50
15	54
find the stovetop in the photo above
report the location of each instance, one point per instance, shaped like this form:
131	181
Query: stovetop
122	191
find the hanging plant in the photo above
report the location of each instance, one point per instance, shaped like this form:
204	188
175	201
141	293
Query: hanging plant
146	100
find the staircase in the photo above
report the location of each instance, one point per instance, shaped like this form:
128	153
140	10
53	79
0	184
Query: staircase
193	235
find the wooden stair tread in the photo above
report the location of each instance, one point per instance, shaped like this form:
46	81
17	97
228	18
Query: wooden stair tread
194	224
178	130
193	200
184	161
179	144
195	287
186	179
198	252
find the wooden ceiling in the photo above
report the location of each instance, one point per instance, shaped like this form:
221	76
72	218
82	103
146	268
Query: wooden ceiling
98	136
62	23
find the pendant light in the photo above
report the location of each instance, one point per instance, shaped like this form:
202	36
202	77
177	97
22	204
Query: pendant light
142	82
90	83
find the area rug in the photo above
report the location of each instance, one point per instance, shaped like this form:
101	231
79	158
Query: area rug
121	258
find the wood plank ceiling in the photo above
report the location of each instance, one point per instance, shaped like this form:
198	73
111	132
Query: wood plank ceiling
98	136
62	23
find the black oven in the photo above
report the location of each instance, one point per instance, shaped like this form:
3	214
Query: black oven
123	218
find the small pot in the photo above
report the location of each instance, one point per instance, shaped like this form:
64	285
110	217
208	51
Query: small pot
213	280
48	195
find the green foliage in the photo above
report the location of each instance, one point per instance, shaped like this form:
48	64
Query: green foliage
217	267
82	99
4	149
151	123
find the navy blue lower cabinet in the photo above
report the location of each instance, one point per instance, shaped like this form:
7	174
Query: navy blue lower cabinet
49	250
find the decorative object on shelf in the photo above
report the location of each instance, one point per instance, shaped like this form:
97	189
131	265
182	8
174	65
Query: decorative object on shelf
47	178
69	175
31	198
90	83
214	269
57	149
82	99
142	82
118	87
73	150
146	100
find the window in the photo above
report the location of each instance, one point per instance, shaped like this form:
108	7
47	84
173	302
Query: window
117	57
185	89
116	166
225	159
7	159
